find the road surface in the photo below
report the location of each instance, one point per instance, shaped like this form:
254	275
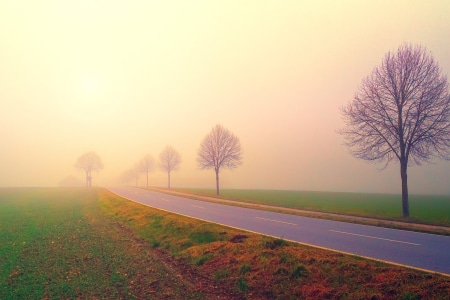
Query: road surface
419	250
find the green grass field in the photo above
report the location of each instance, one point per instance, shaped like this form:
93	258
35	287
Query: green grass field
426	209
58	243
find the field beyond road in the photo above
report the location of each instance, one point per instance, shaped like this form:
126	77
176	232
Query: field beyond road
424	209
90	243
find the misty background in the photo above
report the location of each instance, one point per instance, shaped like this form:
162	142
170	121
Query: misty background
127	78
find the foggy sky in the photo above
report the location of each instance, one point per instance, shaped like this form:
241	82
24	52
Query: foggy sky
127	78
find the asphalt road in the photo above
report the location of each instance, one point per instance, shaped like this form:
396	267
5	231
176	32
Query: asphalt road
418	250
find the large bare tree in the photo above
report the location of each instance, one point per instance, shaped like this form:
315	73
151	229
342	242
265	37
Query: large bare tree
89	162
147	165
169	160
219	149
401	113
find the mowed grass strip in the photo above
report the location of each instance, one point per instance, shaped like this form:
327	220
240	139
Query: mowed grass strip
425	209
90	243
57	244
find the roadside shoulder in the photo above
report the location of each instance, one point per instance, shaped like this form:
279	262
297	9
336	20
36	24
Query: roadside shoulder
424	228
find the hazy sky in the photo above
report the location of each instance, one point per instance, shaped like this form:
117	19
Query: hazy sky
126	78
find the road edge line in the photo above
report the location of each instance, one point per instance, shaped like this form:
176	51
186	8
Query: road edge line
289	240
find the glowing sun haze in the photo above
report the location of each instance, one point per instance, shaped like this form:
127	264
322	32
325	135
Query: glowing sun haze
126	78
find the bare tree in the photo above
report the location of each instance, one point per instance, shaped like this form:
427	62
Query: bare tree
401	113
169	160
89	162
136	171
126	177
147	165
219	149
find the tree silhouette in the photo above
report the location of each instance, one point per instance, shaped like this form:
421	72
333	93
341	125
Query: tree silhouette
401	112
219	149
169	160
89	162
147	165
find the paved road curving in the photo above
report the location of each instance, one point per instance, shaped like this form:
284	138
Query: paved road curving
418	250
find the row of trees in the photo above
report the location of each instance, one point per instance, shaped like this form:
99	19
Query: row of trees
220	149
400	113
169	160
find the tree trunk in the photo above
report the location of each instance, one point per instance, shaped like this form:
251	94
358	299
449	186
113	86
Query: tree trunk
87	179
147	178
404	176
217	182
168	179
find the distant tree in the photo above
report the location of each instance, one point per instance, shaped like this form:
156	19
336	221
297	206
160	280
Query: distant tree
127	177
136	171
219	149
89	162
147	165
169	160
401	112
124	179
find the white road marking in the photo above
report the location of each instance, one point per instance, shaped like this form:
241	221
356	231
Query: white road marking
165	200
374	237
276	221
290	240
198	206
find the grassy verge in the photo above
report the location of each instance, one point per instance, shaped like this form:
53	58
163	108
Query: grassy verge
426	209
432	219
63	243
258	267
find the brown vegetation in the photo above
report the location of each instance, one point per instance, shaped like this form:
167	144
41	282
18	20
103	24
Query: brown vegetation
227	263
